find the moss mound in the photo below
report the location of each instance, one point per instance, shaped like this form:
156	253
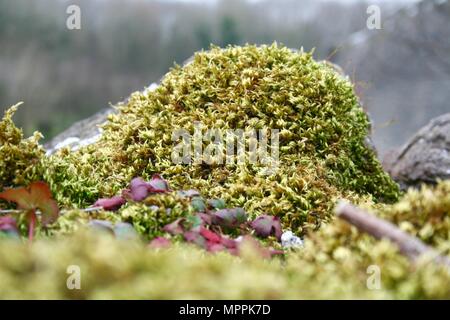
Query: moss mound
322	158
322	128
19	158
336	262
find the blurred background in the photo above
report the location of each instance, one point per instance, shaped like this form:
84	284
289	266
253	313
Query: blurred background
401	72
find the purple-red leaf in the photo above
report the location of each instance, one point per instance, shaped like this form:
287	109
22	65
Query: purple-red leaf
175	227
139	189
210	236
229	243
8	227
266	225
159	242
214	247
195	237
113	203
158	185
230	218
206	218
8	223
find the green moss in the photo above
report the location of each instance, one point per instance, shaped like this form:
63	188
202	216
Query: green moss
322	131
333	264
19	158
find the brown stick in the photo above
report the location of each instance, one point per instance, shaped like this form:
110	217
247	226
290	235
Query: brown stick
408	245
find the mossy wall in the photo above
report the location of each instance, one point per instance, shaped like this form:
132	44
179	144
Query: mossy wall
322	131
322	158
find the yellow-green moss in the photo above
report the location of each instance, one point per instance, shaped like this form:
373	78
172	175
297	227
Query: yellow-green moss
322	131
19	158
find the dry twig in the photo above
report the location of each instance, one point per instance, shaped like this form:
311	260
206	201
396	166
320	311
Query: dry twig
408	245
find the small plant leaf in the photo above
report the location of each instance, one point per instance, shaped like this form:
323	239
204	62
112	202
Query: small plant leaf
159	242
139	189
217	204
210	236
20	196
214	247
8	227
195	237
229	243
7	223
112	204
206	218
36	196
266	225
158	185
194	222
198	204
175	227
229	218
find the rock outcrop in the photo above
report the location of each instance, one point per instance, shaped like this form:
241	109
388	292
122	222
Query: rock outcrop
425	158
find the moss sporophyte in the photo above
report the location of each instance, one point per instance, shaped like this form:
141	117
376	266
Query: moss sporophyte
321	157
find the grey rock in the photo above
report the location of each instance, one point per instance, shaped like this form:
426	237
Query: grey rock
80	133
425	158
84	132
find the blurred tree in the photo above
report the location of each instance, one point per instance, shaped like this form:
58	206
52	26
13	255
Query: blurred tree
229	31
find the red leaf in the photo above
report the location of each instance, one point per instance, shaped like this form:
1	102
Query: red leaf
160	242
214	247
175	227
139	189
210	236
42	197
113	203
158	185
8	226
266	225
36	196
20	196
229	243
206	218
195	237
7	223
230	218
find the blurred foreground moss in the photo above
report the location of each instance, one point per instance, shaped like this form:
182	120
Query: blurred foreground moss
335	262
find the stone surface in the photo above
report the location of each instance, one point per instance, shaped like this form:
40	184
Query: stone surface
425	158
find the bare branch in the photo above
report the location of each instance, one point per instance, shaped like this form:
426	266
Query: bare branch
408	245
